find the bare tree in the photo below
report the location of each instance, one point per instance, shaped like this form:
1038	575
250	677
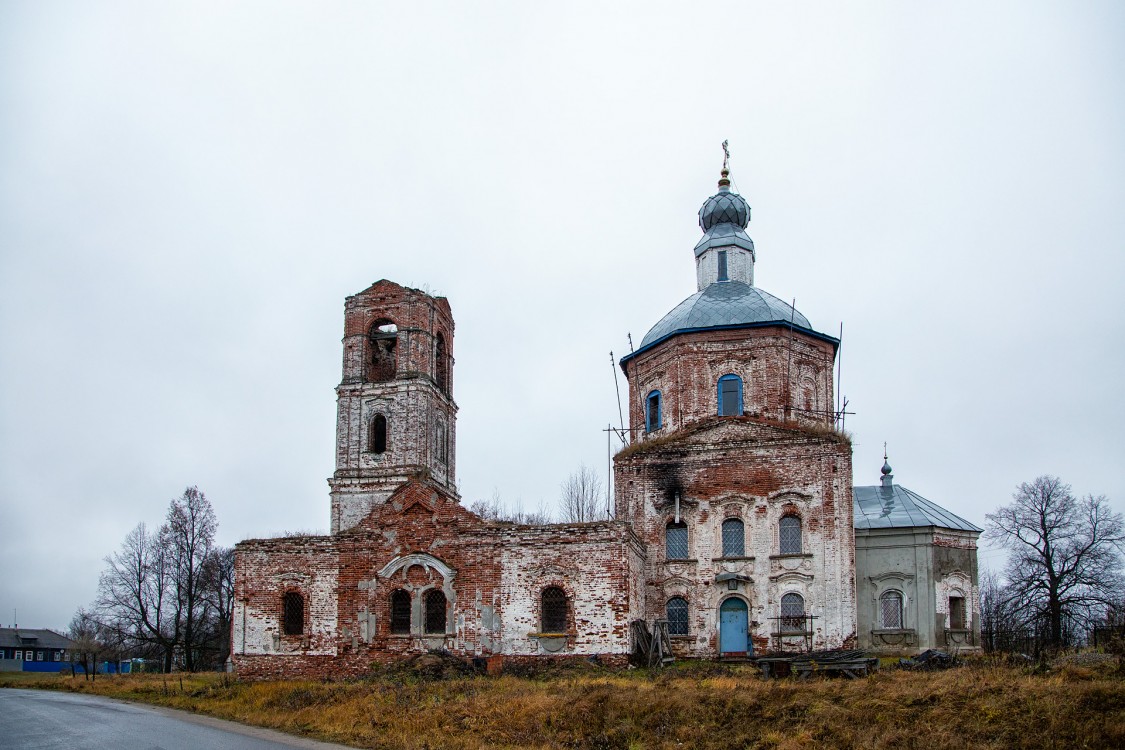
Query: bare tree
135	594
494	509
189	534
89	642
582	497
217	581
1065	565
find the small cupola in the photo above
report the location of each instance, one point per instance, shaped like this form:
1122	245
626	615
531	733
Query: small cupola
726	252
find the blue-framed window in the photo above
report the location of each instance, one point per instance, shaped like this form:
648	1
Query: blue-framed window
676	541
723	266
730	396
677	613
653	419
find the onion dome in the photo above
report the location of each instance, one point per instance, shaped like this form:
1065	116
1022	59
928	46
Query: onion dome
723	218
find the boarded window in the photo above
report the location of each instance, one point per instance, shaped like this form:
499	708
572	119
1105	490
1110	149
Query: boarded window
789	534
293	613
383	342
677	612
723	265
734	538
730	396
652	412
890	609
434	604
400	612
792	613
553	610
441	443
956	612
675	541
379	434
441	364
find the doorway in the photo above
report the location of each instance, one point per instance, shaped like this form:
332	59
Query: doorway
734	638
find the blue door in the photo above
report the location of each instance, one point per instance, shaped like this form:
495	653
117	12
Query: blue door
733	627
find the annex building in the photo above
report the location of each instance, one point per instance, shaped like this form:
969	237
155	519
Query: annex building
735	520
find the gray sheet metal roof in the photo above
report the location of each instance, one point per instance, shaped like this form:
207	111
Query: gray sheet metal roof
724	235
894	507
27	637
726	304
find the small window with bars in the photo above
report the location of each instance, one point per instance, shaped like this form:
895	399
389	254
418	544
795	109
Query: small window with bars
789	535
792	613
293	613
676	541
677	612
434	605
400	612
734	538
890	610
553	610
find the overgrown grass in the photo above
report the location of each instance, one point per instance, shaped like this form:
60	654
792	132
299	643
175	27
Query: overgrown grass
981	705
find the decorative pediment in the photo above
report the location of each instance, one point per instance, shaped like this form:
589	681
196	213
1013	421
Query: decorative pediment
292	577
428	562
554	571
792	576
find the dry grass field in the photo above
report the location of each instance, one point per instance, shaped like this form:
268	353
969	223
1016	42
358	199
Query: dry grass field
979	705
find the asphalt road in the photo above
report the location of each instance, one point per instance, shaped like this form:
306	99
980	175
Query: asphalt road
47	719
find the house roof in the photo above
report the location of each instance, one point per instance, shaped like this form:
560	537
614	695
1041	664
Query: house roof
32	638
892	506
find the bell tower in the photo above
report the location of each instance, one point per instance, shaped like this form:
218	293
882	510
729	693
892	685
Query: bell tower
396	418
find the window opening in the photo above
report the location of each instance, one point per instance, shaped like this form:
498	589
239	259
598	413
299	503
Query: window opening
734	538
441	364
400	612
293	613
441	444
792	613
553	610
723	265
730	396
956	612
652	412
677	612
379	434
676	541
789	532
890	609
435	604
384	338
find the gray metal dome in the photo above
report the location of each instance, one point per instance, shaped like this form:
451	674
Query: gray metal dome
724	207
731	304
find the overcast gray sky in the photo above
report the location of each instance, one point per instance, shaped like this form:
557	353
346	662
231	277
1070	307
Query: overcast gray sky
188	191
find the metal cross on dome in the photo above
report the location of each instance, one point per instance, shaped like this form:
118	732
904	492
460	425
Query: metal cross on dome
726	157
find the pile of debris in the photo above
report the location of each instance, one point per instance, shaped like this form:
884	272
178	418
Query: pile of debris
928	661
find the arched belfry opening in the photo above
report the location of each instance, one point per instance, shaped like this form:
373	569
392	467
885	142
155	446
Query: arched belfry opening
441	363
383	339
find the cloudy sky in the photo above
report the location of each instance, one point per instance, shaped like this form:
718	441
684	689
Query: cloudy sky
188	191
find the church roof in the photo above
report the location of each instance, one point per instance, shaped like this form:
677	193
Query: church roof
893	506
727	304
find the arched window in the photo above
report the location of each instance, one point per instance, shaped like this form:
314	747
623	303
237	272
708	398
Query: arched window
441	443
890	609
434	605
677	612
441	364
652	412
293	613
400	612
552	610
378	442
792	613
730	396
734	538
383	338
789	535
675	541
